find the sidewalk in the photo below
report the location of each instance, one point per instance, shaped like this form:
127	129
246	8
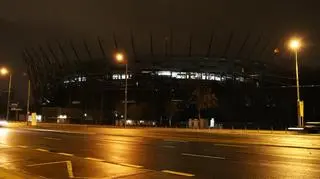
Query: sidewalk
100	129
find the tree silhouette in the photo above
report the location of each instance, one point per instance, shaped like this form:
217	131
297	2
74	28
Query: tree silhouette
170	110
204	98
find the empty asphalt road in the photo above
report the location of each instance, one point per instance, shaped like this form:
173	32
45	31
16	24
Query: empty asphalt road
139	153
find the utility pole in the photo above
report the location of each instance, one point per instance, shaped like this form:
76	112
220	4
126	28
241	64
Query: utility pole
126	95
9	95
28	100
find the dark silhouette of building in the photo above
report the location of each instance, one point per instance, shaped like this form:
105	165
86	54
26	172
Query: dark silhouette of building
245	78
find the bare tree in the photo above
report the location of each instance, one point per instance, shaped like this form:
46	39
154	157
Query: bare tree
204	98
170	110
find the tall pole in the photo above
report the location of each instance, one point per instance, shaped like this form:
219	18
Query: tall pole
9	95
126	94
28	99
300	124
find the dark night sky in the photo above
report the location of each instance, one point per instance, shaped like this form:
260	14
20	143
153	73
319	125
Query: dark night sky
25	23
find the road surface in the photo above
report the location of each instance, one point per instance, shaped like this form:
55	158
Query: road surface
134	153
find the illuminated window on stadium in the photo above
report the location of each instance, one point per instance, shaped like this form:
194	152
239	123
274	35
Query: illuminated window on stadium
75	79
169	74
121	76
191	75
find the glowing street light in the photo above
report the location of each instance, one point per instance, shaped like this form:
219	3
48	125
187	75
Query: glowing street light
295	45
4	71
120	58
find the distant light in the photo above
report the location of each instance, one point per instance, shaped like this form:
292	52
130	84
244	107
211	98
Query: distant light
85	114
312	122
164	73
3	123
3	135
295	128
212	122
276	51
4	71
119	57
39	118
121	116
129	122
62	117
75	102
295	44
146	72
217	78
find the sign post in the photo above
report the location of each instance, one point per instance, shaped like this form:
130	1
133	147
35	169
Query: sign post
33	119
301	113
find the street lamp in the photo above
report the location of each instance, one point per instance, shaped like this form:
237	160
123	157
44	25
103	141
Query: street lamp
28	100
4	71
295	45
121	59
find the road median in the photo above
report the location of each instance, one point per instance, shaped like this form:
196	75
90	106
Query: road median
101	129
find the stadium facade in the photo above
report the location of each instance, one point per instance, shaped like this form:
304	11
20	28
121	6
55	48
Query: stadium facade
87	78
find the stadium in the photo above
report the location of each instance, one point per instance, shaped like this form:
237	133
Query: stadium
85	82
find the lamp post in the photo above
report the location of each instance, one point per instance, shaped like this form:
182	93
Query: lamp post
295	45
4	71
120	59
28	100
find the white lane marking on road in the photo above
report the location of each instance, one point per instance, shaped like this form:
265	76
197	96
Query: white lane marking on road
61	131
69	166
131	165
203	156
230	145
174	140
47	163
178	173
94	159
66	154
51	138
42	150
117	142
169	146
22	146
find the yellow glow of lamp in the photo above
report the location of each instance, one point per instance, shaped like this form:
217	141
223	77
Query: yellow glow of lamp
295	44
119	57
4	71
